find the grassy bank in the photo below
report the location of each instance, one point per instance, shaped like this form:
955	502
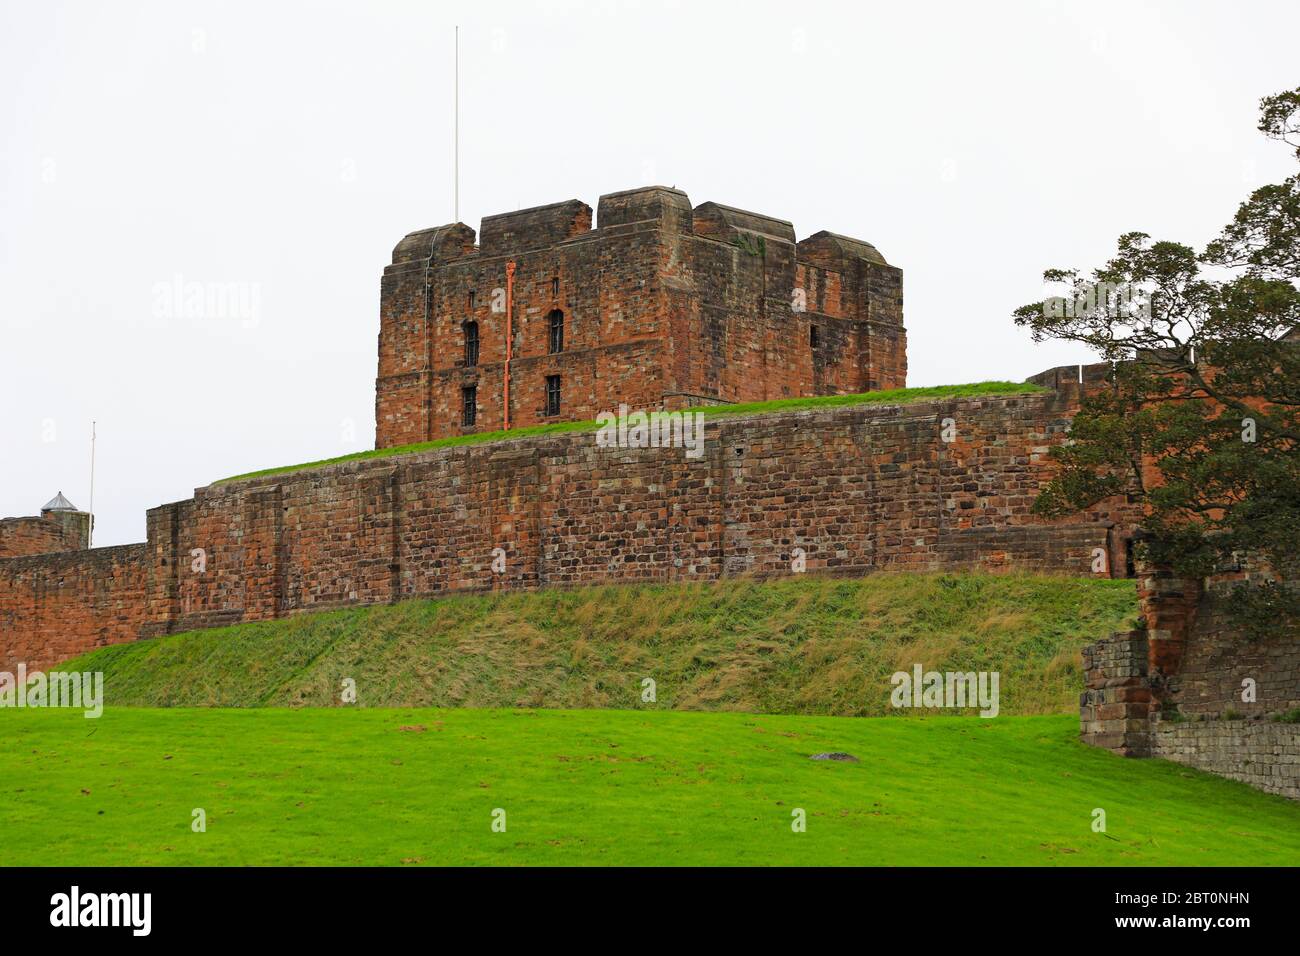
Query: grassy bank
802	645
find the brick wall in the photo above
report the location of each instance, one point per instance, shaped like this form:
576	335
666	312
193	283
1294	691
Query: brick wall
858	489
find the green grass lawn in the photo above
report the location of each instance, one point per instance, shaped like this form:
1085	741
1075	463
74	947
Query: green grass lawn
409	787
800	645
892	396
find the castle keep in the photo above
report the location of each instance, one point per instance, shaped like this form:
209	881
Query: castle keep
661	306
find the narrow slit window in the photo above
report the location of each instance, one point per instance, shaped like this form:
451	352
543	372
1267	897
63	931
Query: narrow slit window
813	337
469	405
470	301
557	332
555	287
552	395
471	344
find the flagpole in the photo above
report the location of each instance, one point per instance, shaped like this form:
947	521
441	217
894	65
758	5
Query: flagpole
456	109
90	534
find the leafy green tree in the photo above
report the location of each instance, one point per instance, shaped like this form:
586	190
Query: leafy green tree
1200	422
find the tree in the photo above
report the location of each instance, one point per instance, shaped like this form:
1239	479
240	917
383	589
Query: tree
1200	419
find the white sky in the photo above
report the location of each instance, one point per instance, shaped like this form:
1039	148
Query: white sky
287	147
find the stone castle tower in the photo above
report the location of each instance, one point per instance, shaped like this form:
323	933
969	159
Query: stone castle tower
660	306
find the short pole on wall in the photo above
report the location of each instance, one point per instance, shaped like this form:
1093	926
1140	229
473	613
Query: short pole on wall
90	533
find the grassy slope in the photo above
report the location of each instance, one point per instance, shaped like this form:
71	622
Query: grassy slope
802	645
613	787
894	396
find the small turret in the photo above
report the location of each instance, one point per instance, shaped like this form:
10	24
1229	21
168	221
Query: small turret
75	523
57	503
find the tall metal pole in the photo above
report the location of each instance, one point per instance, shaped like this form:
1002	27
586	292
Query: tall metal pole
90	535
456	188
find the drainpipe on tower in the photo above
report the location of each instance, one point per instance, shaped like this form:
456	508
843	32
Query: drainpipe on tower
510	336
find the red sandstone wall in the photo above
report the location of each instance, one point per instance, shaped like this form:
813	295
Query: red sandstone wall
857	488
23	536
55	606
736	332
614	328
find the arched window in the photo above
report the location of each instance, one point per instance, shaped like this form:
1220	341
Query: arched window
557	331
471	343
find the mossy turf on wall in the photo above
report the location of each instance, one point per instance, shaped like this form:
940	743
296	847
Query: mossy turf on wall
894	396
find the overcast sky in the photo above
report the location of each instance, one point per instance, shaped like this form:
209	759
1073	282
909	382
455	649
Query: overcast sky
278	151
